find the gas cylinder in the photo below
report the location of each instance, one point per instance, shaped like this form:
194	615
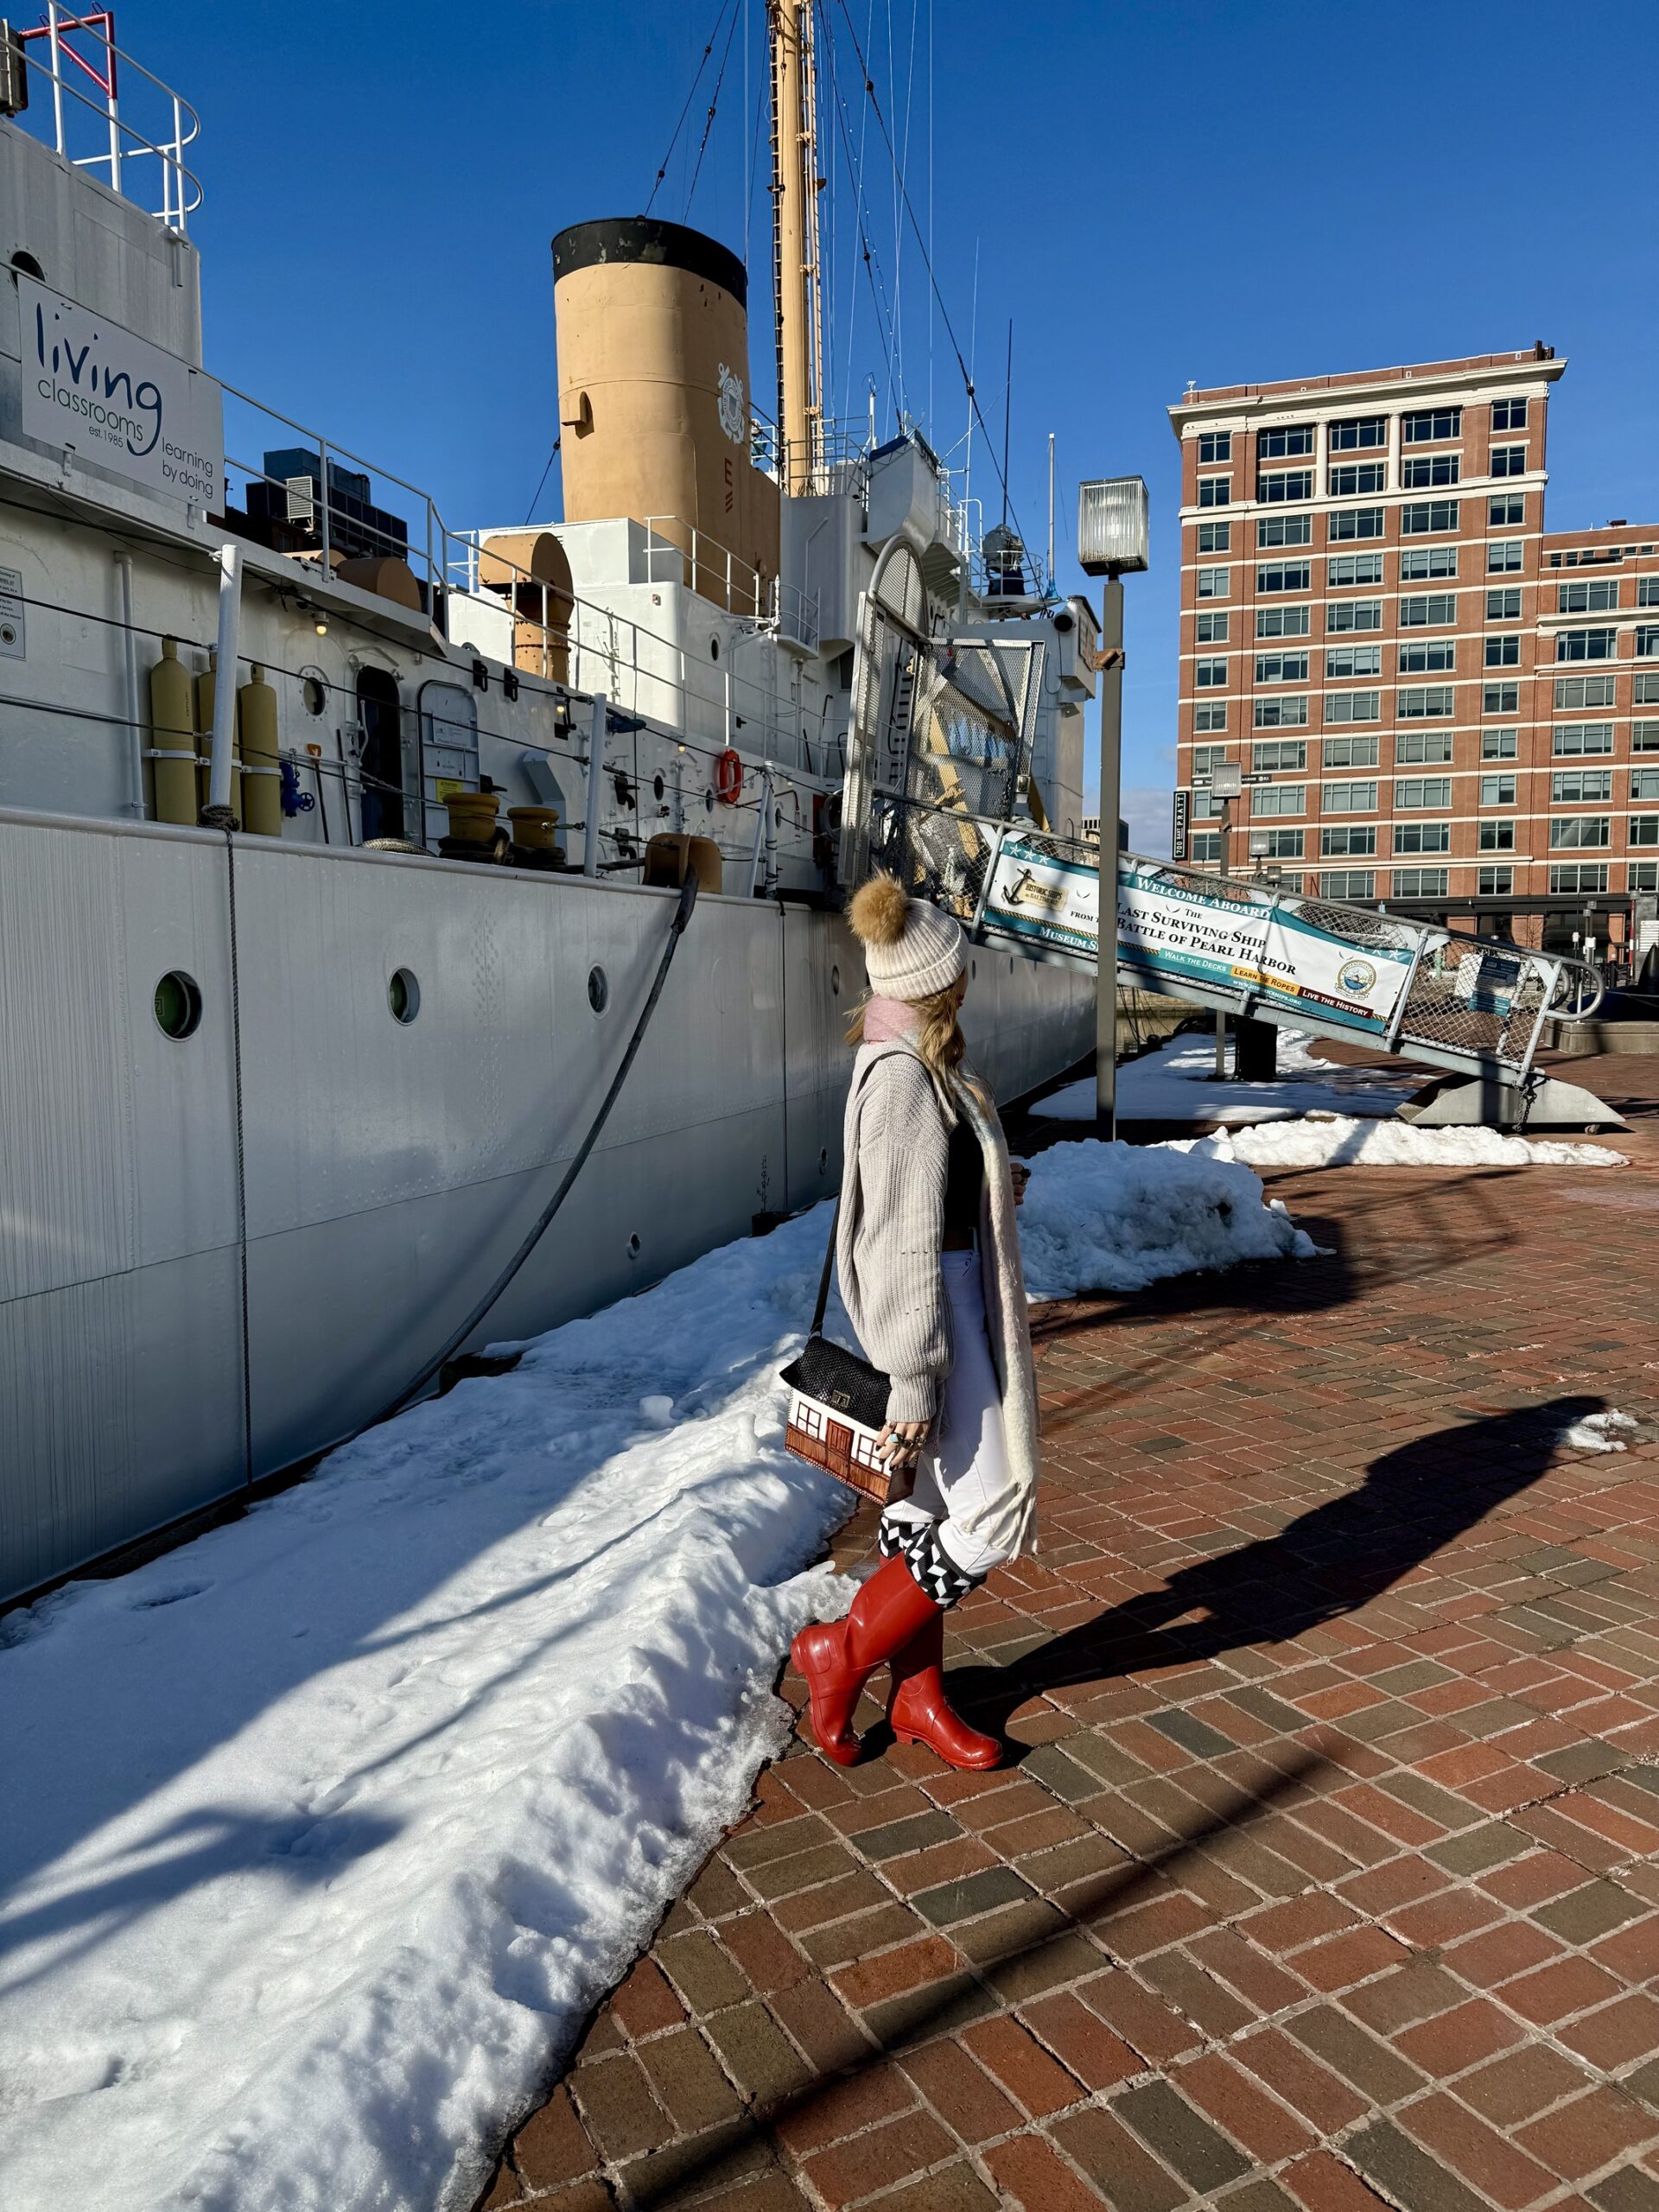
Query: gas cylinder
173	735
206	690
262	767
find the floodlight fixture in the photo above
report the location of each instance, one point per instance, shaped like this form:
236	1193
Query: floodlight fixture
1112	525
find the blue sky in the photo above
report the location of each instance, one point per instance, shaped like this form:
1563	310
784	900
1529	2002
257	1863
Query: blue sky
1152	192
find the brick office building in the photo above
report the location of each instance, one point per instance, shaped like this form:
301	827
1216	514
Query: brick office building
1458	710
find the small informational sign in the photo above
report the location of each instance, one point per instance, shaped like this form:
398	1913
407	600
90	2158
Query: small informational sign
13	637
1179	826
1260	776
1043	900
113	398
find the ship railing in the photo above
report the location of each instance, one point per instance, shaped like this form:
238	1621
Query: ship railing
677	552
77	58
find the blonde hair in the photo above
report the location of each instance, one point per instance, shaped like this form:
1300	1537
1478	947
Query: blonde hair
939	1039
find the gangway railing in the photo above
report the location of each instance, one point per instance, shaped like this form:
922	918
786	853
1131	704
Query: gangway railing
1432	994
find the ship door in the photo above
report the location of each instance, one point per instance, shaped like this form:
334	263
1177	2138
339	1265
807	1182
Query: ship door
380	759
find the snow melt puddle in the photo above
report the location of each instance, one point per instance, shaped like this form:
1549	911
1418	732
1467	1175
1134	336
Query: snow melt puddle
320	1835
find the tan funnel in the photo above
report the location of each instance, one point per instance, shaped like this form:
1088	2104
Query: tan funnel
654	401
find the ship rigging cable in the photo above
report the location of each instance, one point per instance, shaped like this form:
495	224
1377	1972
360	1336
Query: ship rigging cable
709	120
689	97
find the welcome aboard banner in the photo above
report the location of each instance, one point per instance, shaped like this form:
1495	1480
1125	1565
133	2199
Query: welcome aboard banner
1168	935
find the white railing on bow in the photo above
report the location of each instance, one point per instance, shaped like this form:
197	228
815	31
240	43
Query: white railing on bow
73	63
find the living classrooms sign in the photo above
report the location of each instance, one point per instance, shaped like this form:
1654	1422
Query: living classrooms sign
116	400
1171	933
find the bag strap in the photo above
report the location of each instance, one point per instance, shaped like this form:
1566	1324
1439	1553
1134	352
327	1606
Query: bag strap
821	1308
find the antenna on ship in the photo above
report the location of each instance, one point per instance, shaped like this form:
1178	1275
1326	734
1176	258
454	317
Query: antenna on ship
797	281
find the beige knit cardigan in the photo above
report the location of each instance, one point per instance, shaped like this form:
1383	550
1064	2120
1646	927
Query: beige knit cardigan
897	1138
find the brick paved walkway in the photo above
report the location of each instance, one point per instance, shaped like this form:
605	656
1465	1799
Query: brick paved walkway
1330	1873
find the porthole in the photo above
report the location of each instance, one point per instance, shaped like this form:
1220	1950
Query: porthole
178	1005
599	989
25	261
315	694
778	817
633	1245
404	996
656	783
972	971
835	982
708	802
714	648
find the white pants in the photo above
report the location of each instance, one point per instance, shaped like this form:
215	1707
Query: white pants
965	1467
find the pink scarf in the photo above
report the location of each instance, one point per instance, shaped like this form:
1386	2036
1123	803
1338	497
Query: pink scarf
885	1020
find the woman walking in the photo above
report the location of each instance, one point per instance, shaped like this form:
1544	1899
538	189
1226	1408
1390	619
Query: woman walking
928	1257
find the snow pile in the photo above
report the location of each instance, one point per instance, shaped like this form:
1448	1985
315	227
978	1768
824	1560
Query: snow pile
1600	1431
1177	1083
319	1837
1341	1141
1118	1217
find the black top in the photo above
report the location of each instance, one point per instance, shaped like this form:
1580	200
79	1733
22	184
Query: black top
645	239
964	1181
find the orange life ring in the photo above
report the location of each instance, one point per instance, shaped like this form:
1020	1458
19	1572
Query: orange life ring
729	777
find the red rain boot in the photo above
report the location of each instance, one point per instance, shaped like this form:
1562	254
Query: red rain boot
838	1657
920	1713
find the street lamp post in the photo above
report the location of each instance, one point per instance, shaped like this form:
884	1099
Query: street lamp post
1112	542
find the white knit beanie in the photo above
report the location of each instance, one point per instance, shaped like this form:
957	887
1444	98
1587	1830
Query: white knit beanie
911	950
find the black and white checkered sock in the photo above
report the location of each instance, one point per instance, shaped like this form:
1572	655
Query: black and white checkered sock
934	1569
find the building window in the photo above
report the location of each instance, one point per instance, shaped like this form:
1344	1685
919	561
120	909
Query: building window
1206	809
1509	414
1647	640
1359	432
1499	744
1498	791
1282	621
1281	668
1278	798
1500	699
1422	837
1429	610
1348	841
1509	460
1587	644
1348	883
1576	787
1354	522
1495	882
1426	656
1503	652
1412	791
1429	425
1212	629
1288	713
1421	471
1353	707
1644	688
1419	883
1497	836
1214	490
1214	446
1352	614
1211	674
1283	530
1644	785
1342	663
1425	516
1207	757
1356	569
1419	562
1575	740
1215	536
1349	752
1588	595
1647	591
1206	845
1578	876
1285	575
1285	443
1503	556
1504	605
1644	830
1209	715
1353	479
1571	832
1279	756
1424	702
1572	691
1644	876
1277	486
1348	798
1417	746
1644	737
1507	512
1284	844
1214	583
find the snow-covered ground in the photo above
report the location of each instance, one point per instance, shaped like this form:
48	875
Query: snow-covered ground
319	1836
1341	1141
1177	1083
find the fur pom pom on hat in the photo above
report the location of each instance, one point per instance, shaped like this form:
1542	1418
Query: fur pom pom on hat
911	950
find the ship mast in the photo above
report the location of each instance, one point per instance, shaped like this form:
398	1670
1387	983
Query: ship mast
798	289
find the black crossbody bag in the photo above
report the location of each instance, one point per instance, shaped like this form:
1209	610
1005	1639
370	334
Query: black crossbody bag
838	1402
